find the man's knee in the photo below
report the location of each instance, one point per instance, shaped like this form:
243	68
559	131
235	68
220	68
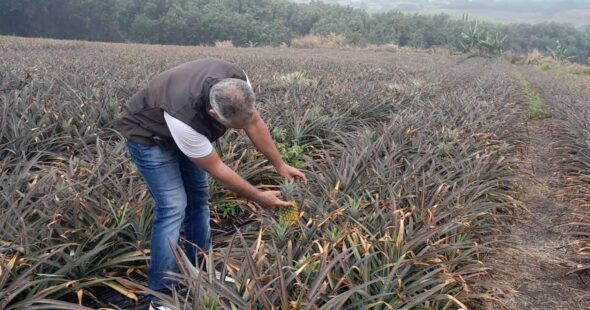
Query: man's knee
171	206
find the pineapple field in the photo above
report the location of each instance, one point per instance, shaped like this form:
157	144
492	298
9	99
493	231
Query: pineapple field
435	181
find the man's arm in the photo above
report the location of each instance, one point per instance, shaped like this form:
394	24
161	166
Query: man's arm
221	172
198	148
258	133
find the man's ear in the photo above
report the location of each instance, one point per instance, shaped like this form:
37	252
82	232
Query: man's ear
213	113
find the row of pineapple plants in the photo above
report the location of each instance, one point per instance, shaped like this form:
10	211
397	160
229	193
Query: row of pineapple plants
410	160
567	102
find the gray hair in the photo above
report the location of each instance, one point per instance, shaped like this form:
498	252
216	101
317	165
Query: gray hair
232	97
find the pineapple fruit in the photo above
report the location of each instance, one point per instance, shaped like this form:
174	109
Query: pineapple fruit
289	215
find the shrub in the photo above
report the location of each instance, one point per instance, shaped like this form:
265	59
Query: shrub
224	44
314	41
536	58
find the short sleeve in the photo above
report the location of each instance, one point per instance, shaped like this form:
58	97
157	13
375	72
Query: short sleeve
247	79
189	141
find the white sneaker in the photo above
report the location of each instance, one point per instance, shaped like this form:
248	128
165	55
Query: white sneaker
152	307
227	279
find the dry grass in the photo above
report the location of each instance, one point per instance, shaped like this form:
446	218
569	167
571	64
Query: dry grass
514	57
314	41
392	48
536	58
224	44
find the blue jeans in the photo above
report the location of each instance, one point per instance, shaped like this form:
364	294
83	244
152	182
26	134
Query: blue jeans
180	191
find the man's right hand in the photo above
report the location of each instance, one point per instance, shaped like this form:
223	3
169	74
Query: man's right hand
270	199
221	172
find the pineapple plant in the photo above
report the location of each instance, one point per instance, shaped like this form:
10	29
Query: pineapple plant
384	200
289	215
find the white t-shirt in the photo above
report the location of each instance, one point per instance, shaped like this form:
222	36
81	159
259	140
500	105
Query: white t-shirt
189	141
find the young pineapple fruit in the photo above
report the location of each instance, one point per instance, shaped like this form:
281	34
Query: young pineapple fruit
289	215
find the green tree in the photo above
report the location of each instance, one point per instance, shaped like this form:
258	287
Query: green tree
262	22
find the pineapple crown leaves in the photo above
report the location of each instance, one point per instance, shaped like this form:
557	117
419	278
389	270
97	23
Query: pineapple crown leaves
289	190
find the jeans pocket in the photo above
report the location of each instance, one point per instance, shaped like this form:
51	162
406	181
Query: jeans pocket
133	149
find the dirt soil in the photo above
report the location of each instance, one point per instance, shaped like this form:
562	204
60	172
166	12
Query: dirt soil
531	270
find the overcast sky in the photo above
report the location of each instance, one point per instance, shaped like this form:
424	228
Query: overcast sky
515	4
576	12
530	5
572	11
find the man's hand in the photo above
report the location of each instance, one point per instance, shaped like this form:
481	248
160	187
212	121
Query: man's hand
271	199
221	172
291	173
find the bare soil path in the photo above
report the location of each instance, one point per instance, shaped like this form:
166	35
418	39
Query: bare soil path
531	270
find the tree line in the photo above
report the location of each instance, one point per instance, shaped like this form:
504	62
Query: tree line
265	22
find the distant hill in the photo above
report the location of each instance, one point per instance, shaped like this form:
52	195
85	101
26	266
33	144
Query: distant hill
576	12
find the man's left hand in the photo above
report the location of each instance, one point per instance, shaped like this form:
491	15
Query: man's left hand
291	173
